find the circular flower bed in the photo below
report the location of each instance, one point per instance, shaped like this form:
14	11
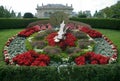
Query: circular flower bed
36	46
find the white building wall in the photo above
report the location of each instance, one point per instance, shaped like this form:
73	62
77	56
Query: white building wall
41	12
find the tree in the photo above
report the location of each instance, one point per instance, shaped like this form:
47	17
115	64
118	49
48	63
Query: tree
5	13
57	18
99	14
28	15
19	15
84	14
109	12
13	15
112	11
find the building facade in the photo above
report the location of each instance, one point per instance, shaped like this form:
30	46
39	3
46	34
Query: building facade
45	11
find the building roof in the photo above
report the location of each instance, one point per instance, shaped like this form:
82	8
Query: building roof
54	6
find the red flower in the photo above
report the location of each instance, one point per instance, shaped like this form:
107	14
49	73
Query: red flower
91	33
80	60
96	57
94	62
42	64
89	54
31	58
7	60
69	41
103	60
27	32
92	58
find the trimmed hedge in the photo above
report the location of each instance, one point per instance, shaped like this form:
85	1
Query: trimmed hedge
95	23
16	23
100	23
71	73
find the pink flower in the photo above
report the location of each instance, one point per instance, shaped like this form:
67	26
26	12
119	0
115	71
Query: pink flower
43	27
49	26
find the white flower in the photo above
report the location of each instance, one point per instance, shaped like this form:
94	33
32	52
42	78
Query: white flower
65	59
38	50
30	39
90	48
111	60
5	48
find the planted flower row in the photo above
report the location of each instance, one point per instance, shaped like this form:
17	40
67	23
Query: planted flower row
31	58
91	58
29	31
92	33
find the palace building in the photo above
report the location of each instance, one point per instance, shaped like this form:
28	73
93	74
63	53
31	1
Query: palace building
45	11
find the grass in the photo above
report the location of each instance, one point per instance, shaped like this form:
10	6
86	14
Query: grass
113	35
4	35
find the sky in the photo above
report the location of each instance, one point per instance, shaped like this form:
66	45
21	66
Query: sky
24	6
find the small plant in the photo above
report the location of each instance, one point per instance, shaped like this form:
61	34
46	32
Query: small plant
84	43
79	34
52	50
40	35
48	31
71	50
39	44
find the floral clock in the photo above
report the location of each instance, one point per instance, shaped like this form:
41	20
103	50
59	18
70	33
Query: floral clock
70	44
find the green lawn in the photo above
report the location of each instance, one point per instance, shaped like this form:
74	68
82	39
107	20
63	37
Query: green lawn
113	35
4	35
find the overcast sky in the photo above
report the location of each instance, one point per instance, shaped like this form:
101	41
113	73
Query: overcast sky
78	5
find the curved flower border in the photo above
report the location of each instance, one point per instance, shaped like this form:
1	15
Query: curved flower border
29	31
8	60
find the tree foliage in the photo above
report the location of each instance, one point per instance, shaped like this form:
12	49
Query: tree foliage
57	18
28	15
84	14
99	14
112	11
19	15
5	13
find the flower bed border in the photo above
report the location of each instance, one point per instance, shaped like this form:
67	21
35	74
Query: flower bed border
8	60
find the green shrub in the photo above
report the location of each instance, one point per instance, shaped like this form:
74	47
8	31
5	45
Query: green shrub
100	23
28	15
11	73
16	23
95	23
70	73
